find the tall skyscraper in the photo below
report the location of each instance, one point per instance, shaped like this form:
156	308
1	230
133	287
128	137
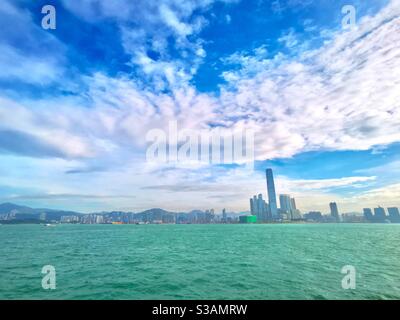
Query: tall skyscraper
334	211
271	193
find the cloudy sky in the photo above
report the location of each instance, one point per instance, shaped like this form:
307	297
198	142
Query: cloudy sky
77	102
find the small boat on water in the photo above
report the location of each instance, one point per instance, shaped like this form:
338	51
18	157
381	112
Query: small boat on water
49	225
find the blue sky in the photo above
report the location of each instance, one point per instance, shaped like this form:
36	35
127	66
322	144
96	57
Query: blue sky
77	102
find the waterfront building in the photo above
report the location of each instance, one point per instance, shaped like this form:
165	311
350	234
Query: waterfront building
315	216
293	203
380	214
252	210
368	215
224	215
394	214
99	219
248	219
334	211
285	202
288	207
259	208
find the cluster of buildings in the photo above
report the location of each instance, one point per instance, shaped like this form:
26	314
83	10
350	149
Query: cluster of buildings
269	211
379	215
152	216
7	216
263	211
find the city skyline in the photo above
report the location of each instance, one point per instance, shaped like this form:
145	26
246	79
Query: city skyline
261	211
76	108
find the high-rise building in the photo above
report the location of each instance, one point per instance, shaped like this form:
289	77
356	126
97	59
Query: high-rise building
259	208
225	216
99	219
368	214
380	214
252	206
288	207
255	206
286	202
271	193
394	214
293	201
334	211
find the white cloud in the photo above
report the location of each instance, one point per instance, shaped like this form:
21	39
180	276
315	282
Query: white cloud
343	96
39	57
151	25
322	184
33	70
289	39
171	20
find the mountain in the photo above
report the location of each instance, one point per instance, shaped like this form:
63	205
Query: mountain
153	214
155	211
6	208
27	213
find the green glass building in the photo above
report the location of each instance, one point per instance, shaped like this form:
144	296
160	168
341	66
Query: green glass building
248	219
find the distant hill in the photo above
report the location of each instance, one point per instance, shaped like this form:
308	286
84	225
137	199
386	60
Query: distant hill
27	213
23	213
155	211
153	214
11	207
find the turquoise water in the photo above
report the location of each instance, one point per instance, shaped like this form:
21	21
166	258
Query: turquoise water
200	261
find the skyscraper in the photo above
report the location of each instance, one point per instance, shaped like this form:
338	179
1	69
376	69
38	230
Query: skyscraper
380	214
368	214
394	214
271	193
252	206
225	216
286	205
334	211
293	201
286	202
254	212
259	208
262	209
